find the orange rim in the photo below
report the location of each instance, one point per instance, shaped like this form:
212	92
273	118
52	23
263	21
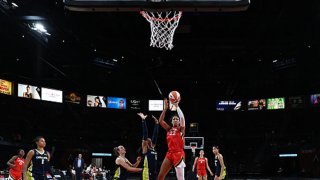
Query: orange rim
146	15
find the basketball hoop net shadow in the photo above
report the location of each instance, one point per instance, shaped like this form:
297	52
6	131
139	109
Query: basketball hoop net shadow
163	26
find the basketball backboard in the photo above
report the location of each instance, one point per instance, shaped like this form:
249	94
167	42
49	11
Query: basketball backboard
193	141
157	5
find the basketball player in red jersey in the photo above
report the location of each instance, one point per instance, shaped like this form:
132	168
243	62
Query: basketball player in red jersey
16	164
202	165
175	154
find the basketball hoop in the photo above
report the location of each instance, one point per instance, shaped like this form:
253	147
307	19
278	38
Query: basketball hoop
163	26
193	149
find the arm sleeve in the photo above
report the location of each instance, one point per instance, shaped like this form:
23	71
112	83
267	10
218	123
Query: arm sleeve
144	130
155	134
181	115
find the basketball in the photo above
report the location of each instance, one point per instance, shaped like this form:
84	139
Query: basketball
174	97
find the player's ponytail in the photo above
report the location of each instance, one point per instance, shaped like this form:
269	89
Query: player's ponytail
116	150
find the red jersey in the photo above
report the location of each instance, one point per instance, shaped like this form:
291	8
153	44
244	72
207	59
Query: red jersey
201	164
175	140
16	171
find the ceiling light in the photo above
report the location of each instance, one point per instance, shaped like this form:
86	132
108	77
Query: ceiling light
14	5
39	28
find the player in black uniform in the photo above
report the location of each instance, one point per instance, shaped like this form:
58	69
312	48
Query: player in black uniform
149	153
220	169
123	165
37	166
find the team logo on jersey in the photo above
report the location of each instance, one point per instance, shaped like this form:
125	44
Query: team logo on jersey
173	132
21	162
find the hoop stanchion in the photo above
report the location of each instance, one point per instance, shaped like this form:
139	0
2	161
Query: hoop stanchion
163	26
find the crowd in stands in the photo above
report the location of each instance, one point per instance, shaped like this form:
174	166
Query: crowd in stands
250	141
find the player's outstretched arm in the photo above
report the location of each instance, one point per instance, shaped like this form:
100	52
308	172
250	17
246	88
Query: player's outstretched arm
155	132
129	168
144	143
163	114
182	119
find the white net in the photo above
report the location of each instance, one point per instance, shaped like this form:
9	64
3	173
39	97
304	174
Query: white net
193	149
163	26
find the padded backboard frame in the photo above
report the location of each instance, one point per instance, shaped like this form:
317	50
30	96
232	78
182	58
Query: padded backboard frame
198	141
163	5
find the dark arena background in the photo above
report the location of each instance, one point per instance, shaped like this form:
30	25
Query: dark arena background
225	63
